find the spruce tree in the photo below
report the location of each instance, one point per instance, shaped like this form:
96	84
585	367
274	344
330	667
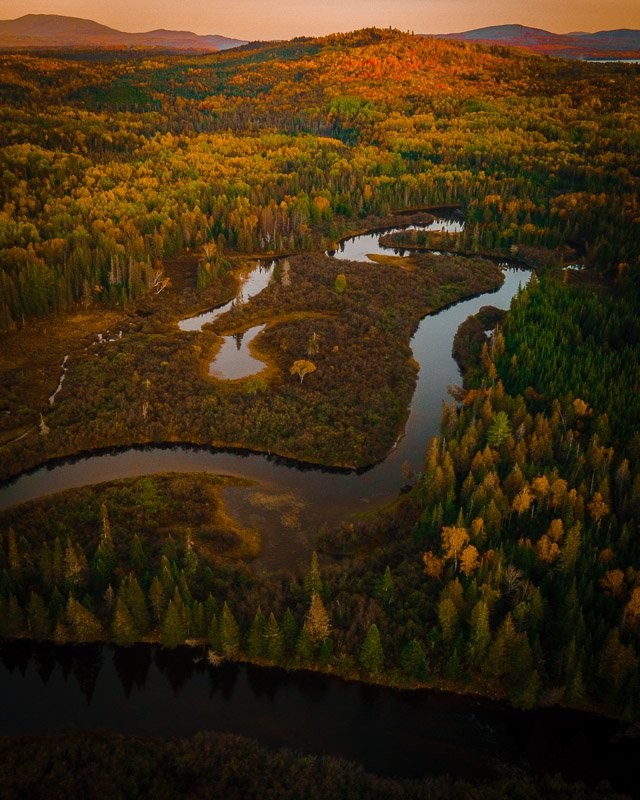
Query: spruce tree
316	622
256	640
123	628
229	633
371	653
38	618
173	631
274	646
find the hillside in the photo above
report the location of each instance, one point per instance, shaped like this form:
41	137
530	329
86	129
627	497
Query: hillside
603	44
53	30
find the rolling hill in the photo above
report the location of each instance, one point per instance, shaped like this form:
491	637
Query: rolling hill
53	30
622	43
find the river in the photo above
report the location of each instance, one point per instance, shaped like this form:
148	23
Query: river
150	691
308	487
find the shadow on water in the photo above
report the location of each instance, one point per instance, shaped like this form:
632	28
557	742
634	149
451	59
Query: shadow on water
151	691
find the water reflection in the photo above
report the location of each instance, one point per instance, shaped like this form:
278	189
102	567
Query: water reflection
251	284
234	359
147	690
359	248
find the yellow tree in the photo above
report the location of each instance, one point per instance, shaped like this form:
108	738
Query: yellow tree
469	560
316	623
302	367
597	508
454	540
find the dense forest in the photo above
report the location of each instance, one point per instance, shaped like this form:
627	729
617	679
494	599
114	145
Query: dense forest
134	190
109	168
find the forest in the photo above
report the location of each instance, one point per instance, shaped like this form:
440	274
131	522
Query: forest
135	192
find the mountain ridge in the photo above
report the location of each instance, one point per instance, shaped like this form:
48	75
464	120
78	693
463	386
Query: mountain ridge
59	31
620	42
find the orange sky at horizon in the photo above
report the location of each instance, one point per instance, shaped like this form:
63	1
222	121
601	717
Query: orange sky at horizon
256	19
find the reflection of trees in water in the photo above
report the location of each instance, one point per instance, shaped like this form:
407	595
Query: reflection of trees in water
264	682
44	657
65	659
132	666
176	665
222	680
87	662
16	655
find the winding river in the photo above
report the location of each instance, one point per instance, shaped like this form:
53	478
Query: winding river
307	486
150	691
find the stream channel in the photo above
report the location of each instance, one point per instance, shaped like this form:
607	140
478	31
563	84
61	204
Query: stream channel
147	690
300	488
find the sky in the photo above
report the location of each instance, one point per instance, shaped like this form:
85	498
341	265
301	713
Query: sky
269	19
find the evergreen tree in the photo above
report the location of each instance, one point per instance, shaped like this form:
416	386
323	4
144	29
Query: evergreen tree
372	654
213	634
173	631
38	618
274	645
157	599
385	586
480	633
229	633
137	556
313	581
256	640
304	647
83	623
414	660
12	621
123	628
316	622
289	632
136	603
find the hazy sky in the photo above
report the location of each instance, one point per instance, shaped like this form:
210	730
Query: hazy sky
266	19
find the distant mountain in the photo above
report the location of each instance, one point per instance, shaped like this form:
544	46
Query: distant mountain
53	30
603	44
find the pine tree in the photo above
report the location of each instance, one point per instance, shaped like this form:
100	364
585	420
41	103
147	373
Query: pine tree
385	586
75	565
123	628
448	616
274	645
137	557
372	654
313	581
213	634
480	633
38	618
173	631
289	632
498	661
12	621
316	622
256	640
414	660
229	633
136	603
157	599
85	625
304	647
